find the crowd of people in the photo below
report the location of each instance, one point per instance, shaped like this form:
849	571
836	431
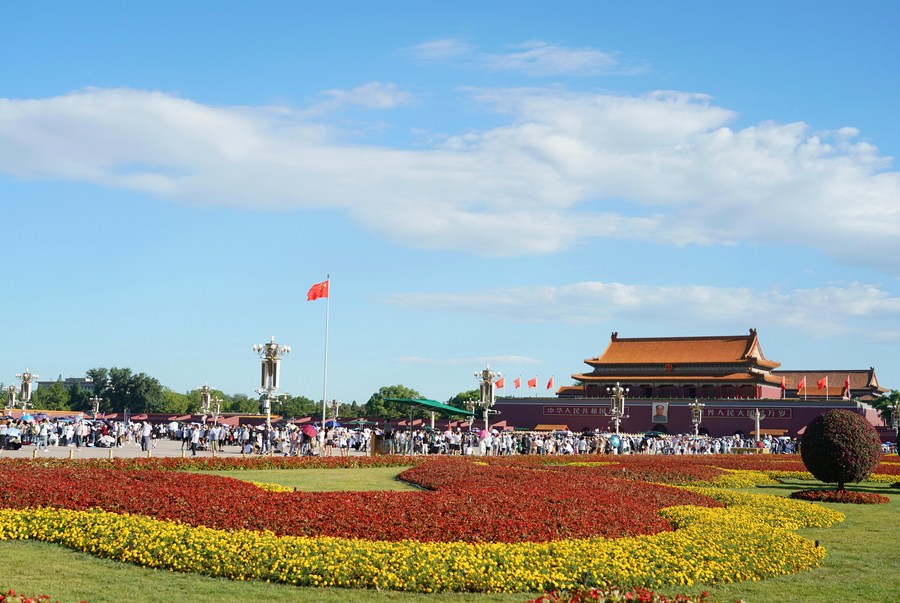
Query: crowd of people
292	440
508	442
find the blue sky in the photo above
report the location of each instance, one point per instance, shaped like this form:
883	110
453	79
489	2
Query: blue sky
500	183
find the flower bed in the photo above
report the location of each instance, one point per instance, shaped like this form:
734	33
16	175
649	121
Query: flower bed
229	463
524	505
12	596
841	496
616	595
716	546
514	525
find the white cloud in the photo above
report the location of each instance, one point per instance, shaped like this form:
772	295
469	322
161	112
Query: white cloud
819	312
374	95
535	58
441	50
542	59
566	167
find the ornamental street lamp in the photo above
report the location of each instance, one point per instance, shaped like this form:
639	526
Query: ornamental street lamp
95	406
757	416
205	399
10	399
895	420
271	356
217	409
27	379
697	415
486	379
617	404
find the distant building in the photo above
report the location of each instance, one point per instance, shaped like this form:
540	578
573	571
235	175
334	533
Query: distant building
730	375
86	383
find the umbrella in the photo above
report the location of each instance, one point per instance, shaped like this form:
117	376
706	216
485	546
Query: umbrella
27	418
360	422
13	432
483	434
332	423
41	416
310	430
107	440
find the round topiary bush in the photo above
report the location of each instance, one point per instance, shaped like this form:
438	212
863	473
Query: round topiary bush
840	446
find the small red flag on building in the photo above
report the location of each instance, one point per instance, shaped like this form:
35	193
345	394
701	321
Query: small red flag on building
802	384
550	383
532	382
517	382
499	383
318	290
783	386
847	383
822	383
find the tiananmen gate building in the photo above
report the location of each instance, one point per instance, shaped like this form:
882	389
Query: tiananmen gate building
730	375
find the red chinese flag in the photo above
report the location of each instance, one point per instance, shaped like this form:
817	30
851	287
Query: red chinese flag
532	382
802	384
499	383
822	383
783	386
550	383
517	382
318	290
847	383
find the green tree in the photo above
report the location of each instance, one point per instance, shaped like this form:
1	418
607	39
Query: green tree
173	402
460	399
79	399
297	406
885	403
240	403
54	397
378	406
194	405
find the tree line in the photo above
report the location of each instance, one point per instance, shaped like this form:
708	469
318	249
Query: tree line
121	389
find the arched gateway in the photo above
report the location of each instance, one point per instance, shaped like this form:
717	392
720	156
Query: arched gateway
664	375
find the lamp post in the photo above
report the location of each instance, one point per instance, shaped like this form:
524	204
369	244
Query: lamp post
617	404
271	356
486	379
205	401
895	420
217	409
27	379
757	416
10	399
95	406
696	415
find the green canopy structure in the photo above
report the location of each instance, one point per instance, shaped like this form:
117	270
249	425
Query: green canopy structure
432	405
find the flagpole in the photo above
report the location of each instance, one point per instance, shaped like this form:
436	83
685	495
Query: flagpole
325	373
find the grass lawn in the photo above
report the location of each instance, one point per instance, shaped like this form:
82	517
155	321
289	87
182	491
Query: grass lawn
862	562
324	480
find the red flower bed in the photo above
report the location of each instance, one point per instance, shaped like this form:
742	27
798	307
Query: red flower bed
469	502
12	596
841	496
617	595
196	463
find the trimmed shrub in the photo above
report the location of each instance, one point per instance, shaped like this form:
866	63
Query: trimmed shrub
840	446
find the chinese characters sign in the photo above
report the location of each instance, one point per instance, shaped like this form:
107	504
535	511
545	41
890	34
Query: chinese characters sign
746	413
